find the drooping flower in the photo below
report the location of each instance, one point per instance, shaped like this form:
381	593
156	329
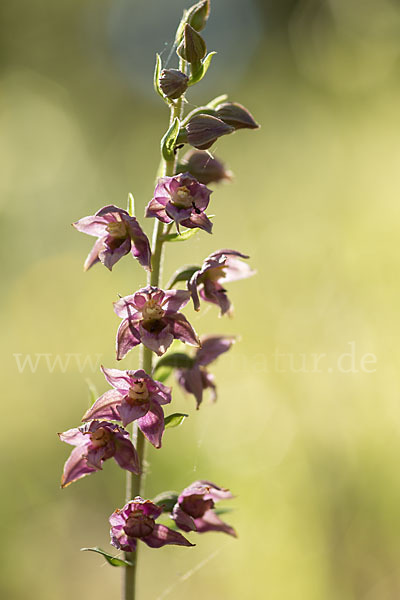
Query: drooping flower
94	443
181	199
196	378
118	234
151	317
135	396
218	268
202	130
194	509
207	169
136	521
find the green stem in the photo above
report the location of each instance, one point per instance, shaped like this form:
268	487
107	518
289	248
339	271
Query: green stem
135	483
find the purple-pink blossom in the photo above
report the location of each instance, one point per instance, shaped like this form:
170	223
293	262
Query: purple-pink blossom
181	199
194	510
135	396
196	378
151	316
137	521
208	283
117	234
94	443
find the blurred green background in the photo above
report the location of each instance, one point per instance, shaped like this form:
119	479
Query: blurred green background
311	453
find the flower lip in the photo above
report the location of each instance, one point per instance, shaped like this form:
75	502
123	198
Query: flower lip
182	198
117	229
100	438
138	524
152	311
138	393
195	505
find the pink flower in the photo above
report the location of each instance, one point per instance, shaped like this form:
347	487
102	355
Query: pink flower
195	378
136	521
94	443
135	396
194	509
181	199
117	234
151	317
209	281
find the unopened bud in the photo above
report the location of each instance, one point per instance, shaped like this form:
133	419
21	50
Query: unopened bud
205	168
173	83
203	130
197	15
236	115
192	47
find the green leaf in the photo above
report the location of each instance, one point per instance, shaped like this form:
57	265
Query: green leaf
175	360
169	140
156	79
163	373
112	560
199	73
180	237
131	205
183	274
174	420
218	100
166	500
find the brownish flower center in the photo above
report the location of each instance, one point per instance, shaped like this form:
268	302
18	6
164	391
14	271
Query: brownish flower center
152	311
117	229
100	437
196	506
138	524
182	198
138	392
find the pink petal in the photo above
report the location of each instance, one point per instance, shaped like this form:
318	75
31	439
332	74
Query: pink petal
174	300
105	407
152	424
127	338
211	347
93	256
158	342
162	536
93	225
211	522
120	380
182	329
76	466
73	437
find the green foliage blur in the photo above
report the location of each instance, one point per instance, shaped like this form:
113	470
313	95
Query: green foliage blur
309	444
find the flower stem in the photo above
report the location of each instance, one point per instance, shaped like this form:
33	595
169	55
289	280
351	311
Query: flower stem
135	483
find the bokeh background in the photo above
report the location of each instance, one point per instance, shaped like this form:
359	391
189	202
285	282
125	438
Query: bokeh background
311	452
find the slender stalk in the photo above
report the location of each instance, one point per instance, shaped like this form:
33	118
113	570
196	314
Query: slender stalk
135	483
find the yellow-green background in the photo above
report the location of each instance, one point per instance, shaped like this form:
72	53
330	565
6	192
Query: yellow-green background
311	457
